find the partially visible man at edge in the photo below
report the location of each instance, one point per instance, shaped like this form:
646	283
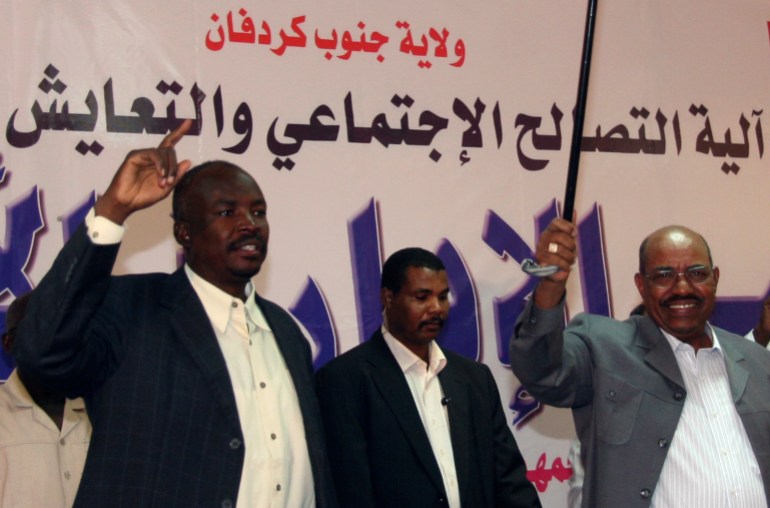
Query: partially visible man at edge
43	436
670	411
200	391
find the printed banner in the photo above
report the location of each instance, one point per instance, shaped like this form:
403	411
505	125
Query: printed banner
373	126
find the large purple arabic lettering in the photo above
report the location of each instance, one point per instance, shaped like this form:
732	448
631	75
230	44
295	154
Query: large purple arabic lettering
593	265
462	332
524	406
24	219
505	241
365	259
312	311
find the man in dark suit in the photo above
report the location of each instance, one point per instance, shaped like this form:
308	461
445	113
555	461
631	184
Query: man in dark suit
409	424
670	411
200	391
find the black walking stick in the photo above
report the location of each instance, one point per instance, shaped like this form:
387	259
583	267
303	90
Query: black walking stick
528	265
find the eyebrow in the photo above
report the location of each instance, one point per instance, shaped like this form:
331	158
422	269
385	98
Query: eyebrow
671	268
231	202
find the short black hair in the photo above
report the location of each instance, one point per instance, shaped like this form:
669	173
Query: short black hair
182	188
394	269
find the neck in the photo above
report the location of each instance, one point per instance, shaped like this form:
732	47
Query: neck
698	341
421	350
702	342
50	402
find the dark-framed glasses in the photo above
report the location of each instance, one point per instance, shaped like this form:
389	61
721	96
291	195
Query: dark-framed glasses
665	278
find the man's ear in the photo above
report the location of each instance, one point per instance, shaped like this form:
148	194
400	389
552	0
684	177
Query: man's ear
639	281
386	297
182	233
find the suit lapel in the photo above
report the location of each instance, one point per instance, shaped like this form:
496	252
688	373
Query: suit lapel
390	381
737	376
659	354
292	356
192	328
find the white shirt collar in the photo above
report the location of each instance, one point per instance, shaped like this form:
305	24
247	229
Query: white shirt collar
678	345
407	360
218	304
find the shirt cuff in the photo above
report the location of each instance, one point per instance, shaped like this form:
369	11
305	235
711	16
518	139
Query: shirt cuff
103	231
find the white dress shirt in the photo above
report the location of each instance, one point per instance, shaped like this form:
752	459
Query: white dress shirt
40	465
276	470
710	463
426	390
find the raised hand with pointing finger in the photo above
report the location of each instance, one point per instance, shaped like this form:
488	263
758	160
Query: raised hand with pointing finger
146	177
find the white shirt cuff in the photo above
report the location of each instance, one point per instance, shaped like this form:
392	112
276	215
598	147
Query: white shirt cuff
103	231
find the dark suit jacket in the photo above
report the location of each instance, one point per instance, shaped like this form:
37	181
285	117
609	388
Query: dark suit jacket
380	452
627	393
141	350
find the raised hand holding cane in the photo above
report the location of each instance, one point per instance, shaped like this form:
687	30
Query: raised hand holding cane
528	265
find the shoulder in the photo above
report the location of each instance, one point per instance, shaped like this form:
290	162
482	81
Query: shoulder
469	371
749	350
275	314
599	323
461	362
594	328
349	361
123	282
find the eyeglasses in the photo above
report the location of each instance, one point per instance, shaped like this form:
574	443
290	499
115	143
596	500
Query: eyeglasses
666	278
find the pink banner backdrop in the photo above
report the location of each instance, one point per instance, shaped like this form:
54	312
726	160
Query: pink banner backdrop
372	126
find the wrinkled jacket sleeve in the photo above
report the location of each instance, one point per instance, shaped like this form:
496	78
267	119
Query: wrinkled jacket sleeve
62	340
554	364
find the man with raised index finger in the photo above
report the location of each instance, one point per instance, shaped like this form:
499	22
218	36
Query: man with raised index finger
670	410
200	391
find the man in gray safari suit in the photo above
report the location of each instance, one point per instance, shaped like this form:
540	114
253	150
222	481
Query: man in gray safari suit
670	411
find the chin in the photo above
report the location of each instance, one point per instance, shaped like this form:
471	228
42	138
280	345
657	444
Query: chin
246	273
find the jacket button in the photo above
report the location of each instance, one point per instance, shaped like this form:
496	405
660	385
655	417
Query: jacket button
678	396
645	493
235	443
662	443
227	503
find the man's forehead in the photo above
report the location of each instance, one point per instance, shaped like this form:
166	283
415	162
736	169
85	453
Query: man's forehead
229	181
419	276
675	248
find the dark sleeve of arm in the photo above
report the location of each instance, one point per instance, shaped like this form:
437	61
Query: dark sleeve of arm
512	488
345	438
53	342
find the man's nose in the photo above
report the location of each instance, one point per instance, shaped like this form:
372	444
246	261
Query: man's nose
248	221
436	305
682	283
